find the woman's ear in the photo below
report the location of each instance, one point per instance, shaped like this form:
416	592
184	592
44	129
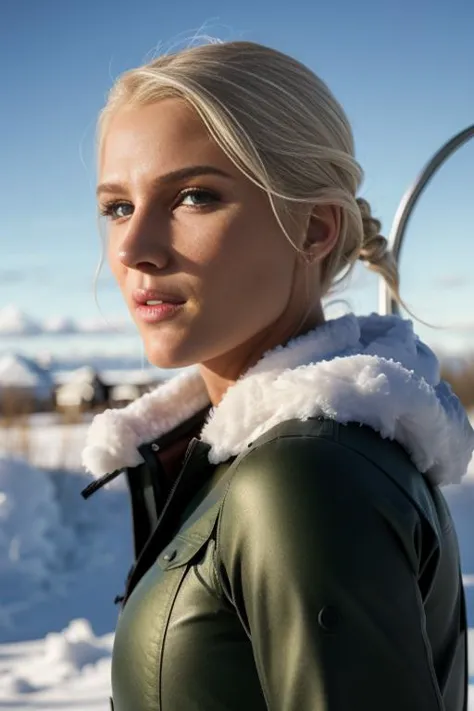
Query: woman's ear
322	232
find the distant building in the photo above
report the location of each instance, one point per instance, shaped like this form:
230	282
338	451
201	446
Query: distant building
84	390
121	395
25	386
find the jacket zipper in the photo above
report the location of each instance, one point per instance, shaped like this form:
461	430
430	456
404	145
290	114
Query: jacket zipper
99	483
189	450
142	558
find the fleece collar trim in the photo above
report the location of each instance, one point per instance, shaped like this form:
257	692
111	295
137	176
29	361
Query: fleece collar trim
321	374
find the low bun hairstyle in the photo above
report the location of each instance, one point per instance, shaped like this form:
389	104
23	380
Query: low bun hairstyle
375	252
281	126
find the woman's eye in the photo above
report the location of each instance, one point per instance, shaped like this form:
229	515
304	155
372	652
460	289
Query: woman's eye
117	210
196	197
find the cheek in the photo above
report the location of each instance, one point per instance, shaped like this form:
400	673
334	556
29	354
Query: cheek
262	286
250	263
111	252
115	265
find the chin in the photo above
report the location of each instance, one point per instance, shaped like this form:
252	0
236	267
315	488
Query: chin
166	357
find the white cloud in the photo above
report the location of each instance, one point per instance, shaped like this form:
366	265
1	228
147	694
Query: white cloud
9	276
466	327
15	322
452	281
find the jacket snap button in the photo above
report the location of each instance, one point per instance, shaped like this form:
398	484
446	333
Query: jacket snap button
155	447
328	618
171	555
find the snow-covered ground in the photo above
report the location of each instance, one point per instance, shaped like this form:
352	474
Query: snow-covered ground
69	670
45	441
63	560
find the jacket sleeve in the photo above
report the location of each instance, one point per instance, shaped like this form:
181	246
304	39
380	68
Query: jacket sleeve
323	576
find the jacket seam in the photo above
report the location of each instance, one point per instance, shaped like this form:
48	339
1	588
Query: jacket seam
207	586
216	549
225	596
167	616
428	649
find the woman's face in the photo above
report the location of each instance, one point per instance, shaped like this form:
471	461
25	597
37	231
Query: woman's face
188	229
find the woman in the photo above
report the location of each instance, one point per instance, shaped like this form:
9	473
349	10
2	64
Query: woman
295	552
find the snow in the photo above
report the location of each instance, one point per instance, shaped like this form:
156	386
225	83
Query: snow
125	393
69	670
46	441
53	549
60	325
73	394
62	561
31	535
14	322
19	372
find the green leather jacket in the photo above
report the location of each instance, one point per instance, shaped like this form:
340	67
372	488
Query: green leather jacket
316	571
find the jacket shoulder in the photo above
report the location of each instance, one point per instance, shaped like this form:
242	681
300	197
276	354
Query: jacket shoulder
330	452
321	449
353	436
329	475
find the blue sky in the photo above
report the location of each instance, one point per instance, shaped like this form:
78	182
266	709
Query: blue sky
403	71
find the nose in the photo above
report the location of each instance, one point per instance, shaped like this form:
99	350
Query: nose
144	245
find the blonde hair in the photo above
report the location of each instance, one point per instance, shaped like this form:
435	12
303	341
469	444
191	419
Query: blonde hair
281	126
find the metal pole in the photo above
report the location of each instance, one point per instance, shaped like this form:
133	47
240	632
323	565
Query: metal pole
387	305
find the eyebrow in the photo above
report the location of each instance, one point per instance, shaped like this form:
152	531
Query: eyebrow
192	171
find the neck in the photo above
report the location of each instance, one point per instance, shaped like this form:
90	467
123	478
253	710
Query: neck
222	372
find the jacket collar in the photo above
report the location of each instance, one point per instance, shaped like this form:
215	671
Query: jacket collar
340	371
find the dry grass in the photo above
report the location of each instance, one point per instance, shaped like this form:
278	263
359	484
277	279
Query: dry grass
15	410
462	382
17	428
22	430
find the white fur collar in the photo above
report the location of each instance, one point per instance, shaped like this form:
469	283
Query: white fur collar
370	370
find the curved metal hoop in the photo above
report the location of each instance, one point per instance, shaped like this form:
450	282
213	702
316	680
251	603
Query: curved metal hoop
386	304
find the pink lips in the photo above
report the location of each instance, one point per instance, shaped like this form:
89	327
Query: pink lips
153	306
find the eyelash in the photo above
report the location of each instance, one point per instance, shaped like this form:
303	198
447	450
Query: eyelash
107	209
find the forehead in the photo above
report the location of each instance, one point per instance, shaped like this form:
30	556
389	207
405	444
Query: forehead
168	133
